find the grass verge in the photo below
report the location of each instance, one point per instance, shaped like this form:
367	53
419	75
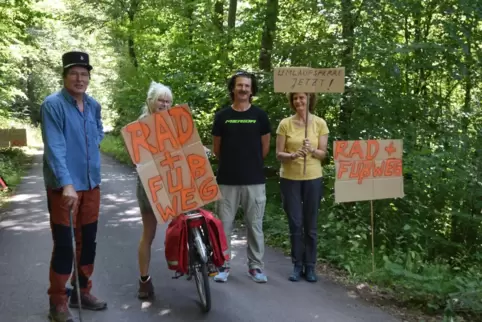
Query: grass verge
14	162
410	289
114	146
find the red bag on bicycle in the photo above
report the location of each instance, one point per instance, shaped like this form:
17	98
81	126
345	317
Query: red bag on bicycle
175	245
176	241
217	237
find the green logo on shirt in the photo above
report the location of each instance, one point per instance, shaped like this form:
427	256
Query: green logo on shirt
241	121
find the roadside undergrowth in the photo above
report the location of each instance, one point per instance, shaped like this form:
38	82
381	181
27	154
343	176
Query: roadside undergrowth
15	161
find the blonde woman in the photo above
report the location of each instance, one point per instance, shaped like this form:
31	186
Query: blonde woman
159	98
302	194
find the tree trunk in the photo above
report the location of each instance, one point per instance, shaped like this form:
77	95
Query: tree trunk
130	41
233	7
348	30
268	36
189	14
33	111
465	230
218	15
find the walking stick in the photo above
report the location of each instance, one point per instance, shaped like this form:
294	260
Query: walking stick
76	270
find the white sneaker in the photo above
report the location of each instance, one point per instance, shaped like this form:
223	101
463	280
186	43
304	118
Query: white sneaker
222	276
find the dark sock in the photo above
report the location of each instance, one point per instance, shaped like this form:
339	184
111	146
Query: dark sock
144	278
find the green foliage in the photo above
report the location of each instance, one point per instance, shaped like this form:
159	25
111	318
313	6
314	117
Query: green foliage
33	37
13	162
413	71
433	285
114	146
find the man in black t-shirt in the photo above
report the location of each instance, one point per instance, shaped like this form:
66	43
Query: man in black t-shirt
241	134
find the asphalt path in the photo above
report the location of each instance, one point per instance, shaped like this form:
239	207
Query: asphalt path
26	246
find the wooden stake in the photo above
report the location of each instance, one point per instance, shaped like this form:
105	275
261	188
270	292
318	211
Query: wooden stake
373	237
306	128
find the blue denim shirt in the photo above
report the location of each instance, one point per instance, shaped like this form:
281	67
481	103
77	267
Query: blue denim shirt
71	141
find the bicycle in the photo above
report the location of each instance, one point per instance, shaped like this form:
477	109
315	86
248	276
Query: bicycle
200	253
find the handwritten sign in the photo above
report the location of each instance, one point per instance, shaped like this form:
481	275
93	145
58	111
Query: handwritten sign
309	80
368	170
171	162
13	137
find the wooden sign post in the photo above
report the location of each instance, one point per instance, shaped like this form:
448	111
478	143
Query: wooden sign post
368	170
13	138
309	80
171	162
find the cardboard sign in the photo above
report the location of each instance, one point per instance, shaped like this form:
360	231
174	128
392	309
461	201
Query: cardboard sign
171	162
309	80
368	170
13	137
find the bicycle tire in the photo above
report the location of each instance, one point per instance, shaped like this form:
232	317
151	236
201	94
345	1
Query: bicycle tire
202	285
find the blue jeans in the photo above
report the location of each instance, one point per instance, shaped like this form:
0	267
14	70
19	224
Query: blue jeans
301	202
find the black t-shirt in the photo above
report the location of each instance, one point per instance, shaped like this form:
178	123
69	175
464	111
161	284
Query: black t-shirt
241	156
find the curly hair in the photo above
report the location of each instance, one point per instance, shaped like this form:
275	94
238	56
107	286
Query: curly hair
312	97
242	73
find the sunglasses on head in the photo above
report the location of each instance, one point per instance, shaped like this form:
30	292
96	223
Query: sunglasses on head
242	72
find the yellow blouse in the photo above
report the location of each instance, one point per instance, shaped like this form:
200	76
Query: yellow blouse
294	136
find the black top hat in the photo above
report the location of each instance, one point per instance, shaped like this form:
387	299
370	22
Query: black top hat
76	58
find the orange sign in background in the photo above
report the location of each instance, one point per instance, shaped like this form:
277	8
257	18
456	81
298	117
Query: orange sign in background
171	162
368	170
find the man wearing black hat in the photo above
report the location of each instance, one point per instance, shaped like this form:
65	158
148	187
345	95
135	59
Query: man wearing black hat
241	135
72	131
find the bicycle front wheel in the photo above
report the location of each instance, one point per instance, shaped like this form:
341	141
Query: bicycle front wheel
202	285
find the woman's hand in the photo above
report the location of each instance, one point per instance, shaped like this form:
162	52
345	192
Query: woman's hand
307	146
301	153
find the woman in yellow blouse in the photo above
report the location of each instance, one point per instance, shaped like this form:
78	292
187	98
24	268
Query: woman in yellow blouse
302	193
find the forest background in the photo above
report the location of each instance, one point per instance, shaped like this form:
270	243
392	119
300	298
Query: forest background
413	71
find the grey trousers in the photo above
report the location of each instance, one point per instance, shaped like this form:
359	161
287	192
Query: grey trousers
253	202
301	202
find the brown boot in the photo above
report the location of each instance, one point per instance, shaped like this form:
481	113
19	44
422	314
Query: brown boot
146	289
88	301
60	313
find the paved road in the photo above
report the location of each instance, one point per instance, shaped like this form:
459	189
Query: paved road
25	247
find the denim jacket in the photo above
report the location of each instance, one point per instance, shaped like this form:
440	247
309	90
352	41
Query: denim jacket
71	141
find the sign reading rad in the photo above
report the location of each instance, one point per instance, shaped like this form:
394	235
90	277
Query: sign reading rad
171	162
368	170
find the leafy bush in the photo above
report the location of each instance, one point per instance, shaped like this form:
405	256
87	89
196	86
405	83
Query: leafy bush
13	162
